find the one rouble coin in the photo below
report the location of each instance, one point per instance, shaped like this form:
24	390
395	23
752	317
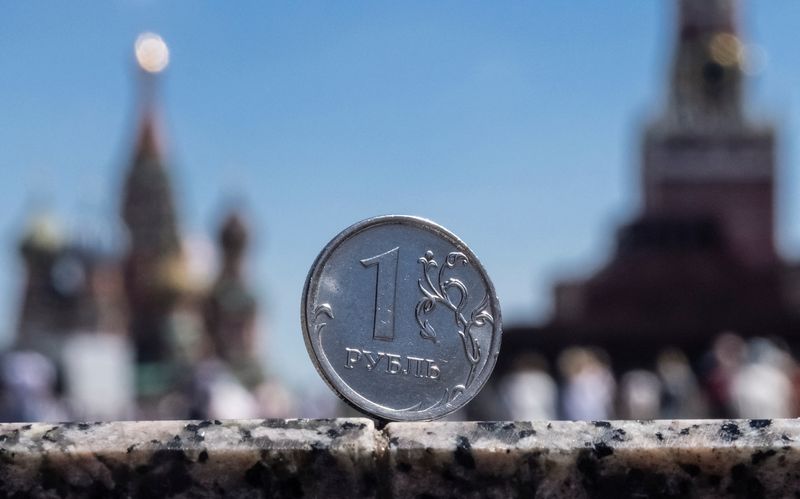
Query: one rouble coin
400	319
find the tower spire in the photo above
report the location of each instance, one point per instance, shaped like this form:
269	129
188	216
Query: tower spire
154	265
152	57
148	208
706	76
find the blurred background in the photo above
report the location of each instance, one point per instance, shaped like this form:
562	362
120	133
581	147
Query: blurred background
625	171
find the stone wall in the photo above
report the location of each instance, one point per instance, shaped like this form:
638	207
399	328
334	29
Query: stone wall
350	458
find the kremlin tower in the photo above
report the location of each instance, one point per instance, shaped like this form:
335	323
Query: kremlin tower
700	258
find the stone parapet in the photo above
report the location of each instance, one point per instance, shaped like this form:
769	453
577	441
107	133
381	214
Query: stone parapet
351	458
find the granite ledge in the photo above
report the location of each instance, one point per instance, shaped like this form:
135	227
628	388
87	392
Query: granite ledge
596	459
350	458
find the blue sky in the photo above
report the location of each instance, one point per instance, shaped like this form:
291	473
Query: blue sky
514	124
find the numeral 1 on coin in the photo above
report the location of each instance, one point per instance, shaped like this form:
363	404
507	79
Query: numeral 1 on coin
385	292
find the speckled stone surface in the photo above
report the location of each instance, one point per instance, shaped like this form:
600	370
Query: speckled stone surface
269	458
349	458
614	459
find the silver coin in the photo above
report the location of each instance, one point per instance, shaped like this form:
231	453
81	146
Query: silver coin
400	319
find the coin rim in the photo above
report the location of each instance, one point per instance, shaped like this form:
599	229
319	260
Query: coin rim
347	394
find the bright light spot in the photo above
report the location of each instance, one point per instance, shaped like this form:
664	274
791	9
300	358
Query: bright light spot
152	53
754	58
726	50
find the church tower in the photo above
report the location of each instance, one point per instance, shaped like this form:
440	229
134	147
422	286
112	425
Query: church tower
41	313
702	158
153	267
230	308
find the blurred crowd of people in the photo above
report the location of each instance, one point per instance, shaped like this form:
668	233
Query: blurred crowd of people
33	388
735	378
